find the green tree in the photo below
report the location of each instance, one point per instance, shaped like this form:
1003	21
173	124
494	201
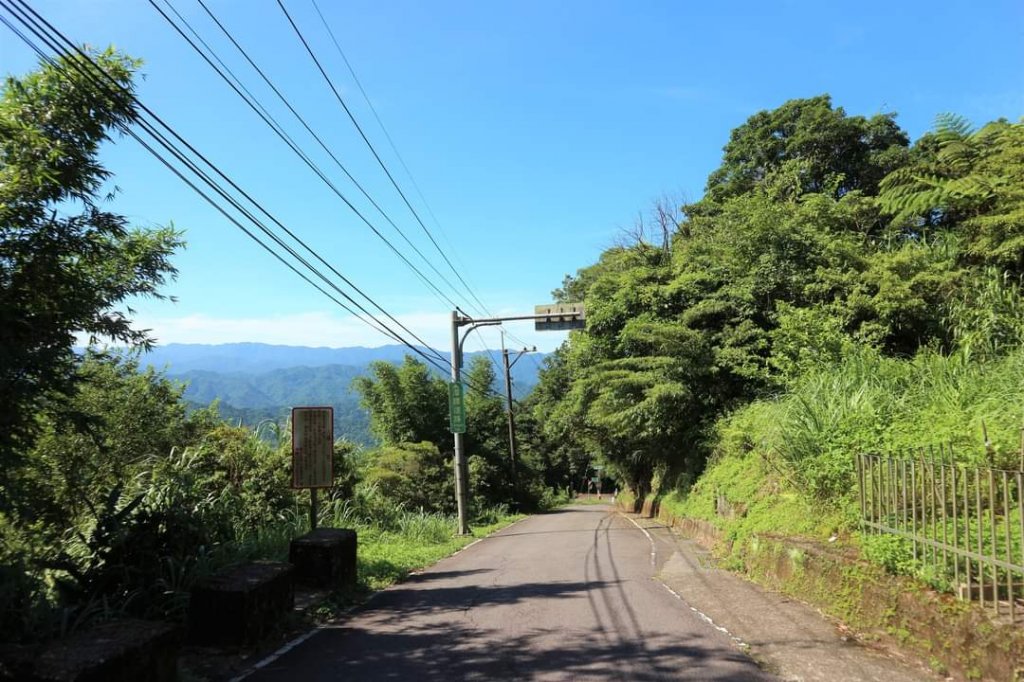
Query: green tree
491	478
552	433
125	418
412	476
67	266
818	140
680	334
407	404
968	181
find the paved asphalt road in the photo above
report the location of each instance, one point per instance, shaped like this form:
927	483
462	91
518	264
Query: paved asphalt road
565	595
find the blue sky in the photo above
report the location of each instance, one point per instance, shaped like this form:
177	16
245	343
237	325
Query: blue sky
535	130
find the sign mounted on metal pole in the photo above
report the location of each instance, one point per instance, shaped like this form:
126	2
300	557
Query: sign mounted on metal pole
456	407
553	317
312	447
559	317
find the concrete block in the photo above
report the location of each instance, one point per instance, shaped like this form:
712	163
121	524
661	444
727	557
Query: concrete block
117	651
240	605
325	557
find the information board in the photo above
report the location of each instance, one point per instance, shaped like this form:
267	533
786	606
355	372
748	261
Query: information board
312	447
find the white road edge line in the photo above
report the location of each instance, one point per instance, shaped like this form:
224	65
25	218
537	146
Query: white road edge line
288	646
277	654
654	552
707	619
700	614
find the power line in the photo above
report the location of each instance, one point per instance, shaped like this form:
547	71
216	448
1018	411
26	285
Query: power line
253	103
391	141
482	307
373	150
35	27
274	125
199	191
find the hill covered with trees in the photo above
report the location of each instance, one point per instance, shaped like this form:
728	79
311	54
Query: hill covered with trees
838	289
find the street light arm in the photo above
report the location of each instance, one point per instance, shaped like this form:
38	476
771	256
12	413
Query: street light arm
474	324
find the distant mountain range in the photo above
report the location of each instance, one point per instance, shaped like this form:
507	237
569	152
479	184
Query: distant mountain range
256	381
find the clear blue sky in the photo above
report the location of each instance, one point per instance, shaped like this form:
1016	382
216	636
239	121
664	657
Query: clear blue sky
536	131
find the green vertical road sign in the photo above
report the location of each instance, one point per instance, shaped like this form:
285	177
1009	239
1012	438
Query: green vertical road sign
456	407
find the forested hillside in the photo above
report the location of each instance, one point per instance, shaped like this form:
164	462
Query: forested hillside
838	289
253	398
256	382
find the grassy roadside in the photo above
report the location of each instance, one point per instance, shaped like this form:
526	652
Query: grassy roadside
388	557
768	530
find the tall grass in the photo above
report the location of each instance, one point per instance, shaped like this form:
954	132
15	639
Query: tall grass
788	461
870	403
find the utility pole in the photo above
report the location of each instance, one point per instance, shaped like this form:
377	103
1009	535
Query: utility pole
461	493
511	417
553	317
508	398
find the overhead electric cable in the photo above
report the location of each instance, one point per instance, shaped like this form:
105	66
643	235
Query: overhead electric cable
369	144
273	123
35	27
481	307
184	179
394	148
391	142
267	118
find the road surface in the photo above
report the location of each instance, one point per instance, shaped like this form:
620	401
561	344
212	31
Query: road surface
566	595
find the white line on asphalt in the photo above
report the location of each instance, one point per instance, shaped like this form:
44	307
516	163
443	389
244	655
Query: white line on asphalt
277	654
654	553
707	619
703	616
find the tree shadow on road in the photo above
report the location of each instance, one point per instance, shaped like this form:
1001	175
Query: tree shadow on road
407	633
406	601
448	651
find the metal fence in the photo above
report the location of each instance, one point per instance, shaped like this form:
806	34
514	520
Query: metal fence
965	524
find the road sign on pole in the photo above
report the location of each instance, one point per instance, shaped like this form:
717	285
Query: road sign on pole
559	317
456	407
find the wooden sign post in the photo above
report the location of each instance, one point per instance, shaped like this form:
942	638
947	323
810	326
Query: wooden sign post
312	452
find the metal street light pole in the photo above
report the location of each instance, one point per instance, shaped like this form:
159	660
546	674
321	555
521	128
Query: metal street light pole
554	317
461	494
460	463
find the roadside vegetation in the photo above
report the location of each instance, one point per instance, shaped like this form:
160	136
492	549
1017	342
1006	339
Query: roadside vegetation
837	290
114	496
